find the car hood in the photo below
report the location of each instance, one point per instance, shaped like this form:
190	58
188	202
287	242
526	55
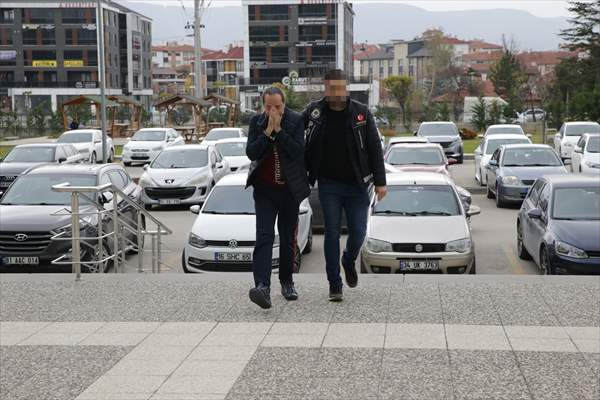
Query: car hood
16	168
397	229
443	139
180	176
582	234
532	173
82	146
226	227
237	161
33	218
592	157
140	144
440	169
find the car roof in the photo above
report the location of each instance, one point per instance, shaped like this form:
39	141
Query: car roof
591	134
581	123
423	145
438	123
188	147
232	140
526	146
506	136
233	128
408	139
154	129
572	180
505	126
83	169
233	180
80	131
417	178
53	144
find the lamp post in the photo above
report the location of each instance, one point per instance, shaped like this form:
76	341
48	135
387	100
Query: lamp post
102	74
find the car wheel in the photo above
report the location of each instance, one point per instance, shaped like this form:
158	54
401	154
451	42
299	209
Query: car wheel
297	260
92	253
309	243
111	156
93	159
499	202
488	192
545	263
363	267
127	164
521	250
460	159
185	269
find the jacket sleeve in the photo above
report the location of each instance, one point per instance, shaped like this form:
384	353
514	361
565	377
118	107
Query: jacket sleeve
258	143
292	141
375	152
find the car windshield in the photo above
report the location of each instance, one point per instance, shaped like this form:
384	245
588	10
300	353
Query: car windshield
494	144
149	136
30	154
505	130
183	158
76	137
532	157
577	203
33	190
419	156
578	130
230	200
438	130
222	134
593	145
236	149
413	200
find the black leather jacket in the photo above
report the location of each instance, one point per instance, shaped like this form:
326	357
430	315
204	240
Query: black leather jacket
290	142
362	142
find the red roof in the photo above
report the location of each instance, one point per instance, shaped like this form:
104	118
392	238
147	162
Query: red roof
481	57
363	50
481	45
535	58
453	40
234	53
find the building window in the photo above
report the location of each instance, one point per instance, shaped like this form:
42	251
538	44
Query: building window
8	58
6	36
269	13
39	15
280	55
78	16
411	71
40	58
267	34
80	36
400	69
7	76
323	54
258	54
39	35
390	70
309	33
312	10
7	15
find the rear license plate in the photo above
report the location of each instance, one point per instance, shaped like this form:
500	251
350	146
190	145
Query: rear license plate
233	257
419	265
170	202
20	260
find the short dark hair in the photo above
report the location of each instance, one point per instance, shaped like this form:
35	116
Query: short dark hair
270	91
335	75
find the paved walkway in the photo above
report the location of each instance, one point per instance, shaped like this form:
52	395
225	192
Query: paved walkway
197	337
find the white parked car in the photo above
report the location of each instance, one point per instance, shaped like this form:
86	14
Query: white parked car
223	235
420	226
89	143
182	175
223	133
404	140
503	129
569	134
586	156
483	152
146	143
528	115
234	151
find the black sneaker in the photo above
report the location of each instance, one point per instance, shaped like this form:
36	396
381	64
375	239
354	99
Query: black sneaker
351	275
261	296
289	291
336	294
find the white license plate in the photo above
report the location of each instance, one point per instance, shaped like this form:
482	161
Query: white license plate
170	202
21	260
419	265
233	257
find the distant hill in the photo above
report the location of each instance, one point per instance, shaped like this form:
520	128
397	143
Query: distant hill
375	23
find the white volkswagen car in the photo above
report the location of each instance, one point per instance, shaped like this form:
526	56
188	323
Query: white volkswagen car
89	143
234	151
483	152
223	235
569	134
586	156
420	226
223	133
146	143
182	175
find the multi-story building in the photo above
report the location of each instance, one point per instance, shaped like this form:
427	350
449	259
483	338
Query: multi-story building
49	51
173	54
223	71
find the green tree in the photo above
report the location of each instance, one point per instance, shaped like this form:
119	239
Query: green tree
480	119
508	77
495	112
440	59
388	113
443	112
401	88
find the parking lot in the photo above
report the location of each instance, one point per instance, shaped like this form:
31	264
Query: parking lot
494	232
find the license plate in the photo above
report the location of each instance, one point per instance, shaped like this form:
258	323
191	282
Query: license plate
20	260
233	257
170	202
419	265
4	184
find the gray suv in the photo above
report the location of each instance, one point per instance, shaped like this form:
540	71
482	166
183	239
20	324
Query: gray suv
446	134
31	213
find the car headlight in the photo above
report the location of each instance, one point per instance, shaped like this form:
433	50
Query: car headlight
511	180
567	250
197	241
459	246
378	246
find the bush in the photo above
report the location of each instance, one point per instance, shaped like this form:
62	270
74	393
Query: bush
388	132
466	133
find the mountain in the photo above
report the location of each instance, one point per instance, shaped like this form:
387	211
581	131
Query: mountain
375	23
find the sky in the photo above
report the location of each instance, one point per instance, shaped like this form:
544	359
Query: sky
540	8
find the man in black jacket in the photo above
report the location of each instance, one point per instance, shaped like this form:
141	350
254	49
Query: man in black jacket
278	176
343	153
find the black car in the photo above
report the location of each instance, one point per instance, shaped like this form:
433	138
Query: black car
446	134
559	225
31	213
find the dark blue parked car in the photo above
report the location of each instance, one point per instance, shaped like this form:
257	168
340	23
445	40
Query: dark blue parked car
559	225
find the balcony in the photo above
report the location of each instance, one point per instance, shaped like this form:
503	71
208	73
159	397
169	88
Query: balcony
70	84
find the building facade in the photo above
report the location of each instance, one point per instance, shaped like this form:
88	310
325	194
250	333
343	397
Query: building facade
223	71
49	52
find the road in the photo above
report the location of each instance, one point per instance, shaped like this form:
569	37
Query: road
493	233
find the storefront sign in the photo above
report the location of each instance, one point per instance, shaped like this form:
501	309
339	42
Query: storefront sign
312	21
78	4
8	55
44	63
73	63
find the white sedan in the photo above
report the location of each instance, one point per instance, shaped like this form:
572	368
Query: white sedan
146	143
586	156
89	143
182	175
224	133
234	151
570	133
483	152
503	129
224	233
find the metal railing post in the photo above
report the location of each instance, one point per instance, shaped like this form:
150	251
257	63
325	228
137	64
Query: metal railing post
75	245
100	239
158	253
140	243
153	254
116	230
122	247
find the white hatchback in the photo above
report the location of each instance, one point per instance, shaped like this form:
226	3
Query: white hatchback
224	133
224	233
586	156
234	151
489	144
89	143
147	143
570	133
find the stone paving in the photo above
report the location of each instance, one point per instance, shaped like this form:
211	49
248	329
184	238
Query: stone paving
197	337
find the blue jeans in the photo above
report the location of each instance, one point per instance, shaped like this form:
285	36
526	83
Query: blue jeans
354	200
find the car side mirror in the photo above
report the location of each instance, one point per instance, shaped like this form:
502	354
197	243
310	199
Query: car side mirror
480	136
473	210
415	133
106	197
452	161
529	135
493	163
195	209
534	213
568	161
145	167
62	160
578	150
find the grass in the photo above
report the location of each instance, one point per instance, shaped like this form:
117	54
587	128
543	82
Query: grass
4	150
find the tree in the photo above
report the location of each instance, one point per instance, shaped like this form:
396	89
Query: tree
401	88
441	57
443	112
480	119
583	34
495	113
389	113
508	77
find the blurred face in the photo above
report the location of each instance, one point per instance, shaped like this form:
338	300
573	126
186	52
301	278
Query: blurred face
336	93
274	103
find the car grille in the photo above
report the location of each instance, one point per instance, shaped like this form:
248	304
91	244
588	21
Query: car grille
229	266
427	247
445	144
225	243
527	182
35	243
593	254
170	193
140	150
140	157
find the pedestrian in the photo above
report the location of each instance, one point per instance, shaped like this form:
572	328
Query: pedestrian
74	124
279	180
344	155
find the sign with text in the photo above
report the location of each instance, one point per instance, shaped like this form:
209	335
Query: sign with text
44	63
312	21
78	4
73	63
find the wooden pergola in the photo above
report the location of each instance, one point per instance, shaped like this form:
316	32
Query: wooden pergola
169	105
84	100
232	105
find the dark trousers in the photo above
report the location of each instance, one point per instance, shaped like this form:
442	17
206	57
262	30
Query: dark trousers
274	204
354	200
